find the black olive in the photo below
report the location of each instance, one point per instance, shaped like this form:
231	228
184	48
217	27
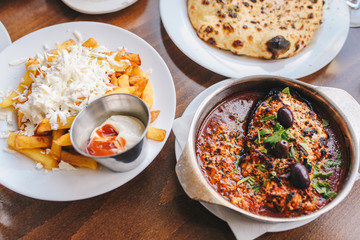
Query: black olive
282	149
299	176
285	117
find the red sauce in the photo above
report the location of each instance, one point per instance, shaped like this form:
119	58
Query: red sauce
106	144
220	141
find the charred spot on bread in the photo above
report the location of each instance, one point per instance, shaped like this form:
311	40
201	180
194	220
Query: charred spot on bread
237	44
277	45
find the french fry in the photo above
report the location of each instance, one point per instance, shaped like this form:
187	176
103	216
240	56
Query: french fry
64	140
20	116
127	77
137	71
55	150
132	57
138	85
24	84
147	95
156	134
36	154
78	160
25	142
90	43
45	125
122	67
65	45
123	81
118	90
154	114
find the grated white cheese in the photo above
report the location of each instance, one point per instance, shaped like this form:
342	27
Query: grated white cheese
78	36
9	117
39	166
65	166
72	76
18	61
4	134
46	47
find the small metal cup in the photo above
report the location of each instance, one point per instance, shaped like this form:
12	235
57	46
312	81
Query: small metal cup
96	113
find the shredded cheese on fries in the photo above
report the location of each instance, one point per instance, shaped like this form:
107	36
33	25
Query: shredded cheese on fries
74	75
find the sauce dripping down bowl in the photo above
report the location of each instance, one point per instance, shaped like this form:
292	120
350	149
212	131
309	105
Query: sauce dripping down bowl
94	114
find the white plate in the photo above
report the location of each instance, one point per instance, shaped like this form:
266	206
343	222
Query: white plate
4	37
98	6
326	45
234	219
19	174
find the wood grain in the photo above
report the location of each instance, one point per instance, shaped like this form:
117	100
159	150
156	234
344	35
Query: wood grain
153	205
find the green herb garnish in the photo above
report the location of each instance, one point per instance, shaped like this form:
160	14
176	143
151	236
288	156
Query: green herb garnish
261	167
293	152
263	149
323	188
279	134
256	187
338	155
264	132
237	163
264	119
328	195
305	147
323	175
286	91
331	163
325	122
242	180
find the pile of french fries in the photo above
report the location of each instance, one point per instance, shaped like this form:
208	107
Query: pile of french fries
48	146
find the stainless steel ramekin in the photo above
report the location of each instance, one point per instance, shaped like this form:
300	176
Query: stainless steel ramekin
96	113
196	185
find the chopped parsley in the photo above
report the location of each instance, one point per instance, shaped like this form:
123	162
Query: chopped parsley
237	163
279	134
293	152
261	167
263	149
273	174
325	122
305	147
338	154
331	163
256	187
286	91
243	180
323	175
264	119
323	188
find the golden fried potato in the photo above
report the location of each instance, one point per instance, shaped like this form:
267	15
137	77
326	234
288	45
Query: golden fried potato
36	154
64	140
45	125
23	142
78	160
154	114
156	134
55	150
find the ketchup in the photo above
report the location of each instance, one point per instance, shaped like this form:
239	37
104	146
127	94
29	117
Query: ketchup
106	143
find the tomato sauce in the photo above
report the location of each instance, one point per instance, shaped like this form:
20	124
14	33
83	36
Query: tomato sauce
221	144
106	143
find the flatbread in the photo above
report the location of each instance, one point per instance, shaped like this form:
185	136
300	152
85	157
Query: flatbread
269	29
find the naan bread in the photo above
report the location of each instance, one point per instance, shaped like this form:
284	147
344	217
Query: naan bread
269	29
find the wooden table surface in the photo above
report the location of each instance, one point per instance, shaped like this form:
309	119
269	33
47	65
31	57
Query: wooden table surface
153	205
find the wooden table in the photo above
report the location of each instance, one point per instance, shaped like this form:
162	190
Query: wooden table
153	205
